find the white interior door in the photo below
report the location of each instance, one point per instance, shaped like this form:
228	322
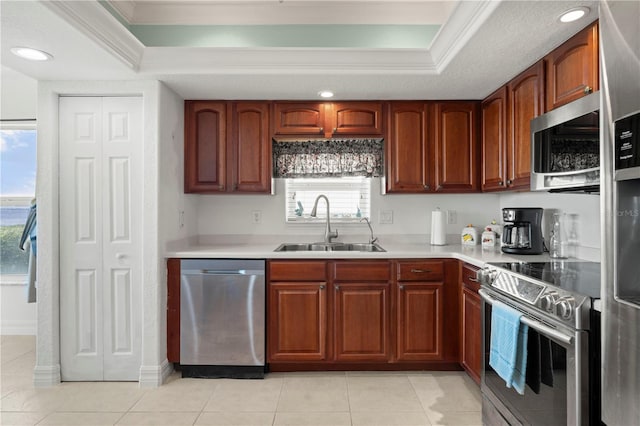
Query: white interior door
100	237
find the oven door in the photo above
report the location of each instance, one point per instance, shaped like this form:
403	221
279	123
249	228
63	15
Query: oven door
565	401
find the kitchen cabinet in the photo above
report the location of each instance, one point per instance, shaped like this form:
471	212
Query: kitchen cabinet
572	68
420	293
506	132
456	150
297	319
432	147
227	147
326	119
173	310
471	358
362	311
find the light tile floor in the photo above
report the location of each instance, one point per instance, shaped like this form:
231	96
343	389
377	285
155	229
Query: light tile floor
329	398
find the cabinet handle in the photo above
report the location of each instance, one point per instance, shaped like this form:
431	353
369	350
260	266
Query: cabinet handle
587	90
475	280
501	183
321	287
427	187
420	271
337	287
509	182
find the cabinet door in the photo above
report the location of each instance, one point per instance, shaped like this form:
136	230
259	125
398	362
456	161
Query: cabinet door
419	321
572	68
494	141
357	118
471	333
205	125
361	321
299	118
456	154
526	101
249	149
297	321
173	310
408	169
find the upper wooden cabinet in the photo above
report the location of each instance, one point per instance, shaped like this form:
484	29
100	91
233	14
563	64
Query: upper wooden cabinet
572	69
326	119
506	130
456	153
227	147
432	147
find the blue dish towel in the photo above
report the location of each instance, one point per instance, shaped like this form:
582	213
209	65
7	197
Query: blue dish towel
508	353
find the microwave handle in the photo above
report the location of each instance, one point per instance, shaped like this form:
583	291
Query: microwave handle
536	325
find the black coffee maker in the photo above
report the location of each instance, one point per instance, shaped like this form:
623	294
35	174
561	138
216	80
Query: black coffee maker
522	232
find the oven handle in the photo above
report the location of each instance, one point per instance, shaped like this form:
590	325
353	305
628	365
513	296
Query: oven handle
536	325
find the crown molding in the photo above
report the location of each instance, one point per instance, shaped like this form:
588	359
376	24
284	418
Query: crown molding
126	9
463	23
95	22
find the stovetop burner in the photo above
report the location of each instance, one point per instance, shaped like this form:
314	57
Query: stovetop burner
578	277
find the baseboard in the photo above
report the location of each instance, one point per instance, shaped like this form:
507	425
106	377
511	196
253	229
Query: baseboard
18	328
154	376
46	375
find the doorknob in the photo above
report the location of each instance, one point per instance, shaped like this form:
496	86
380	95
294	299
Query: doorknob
120	256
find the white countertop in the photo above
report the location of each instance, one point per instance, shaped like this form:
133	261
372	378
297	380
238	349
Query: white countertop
397	247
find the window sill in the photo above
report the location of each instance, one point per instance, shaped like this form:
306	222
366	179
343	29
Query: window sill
19	280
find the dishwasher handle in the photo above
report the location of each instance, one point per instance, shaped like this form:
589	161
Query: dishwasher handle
223	272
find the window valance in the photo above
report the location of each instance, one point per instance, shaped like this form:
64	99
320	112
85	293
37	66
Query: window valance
328	158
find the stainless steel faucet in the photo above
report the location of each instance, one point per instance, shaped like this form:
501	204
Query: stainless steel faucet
328	233
372	240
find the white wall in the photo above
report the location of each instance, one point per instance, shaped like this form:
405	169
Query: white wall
231	214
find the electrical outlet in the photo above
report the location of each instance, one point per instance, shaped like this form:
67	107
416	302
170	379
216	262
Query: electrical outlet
256	216
386	217
452	217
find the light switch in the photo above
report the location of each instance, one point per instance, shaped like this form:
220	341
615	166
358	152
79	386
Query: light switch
256	216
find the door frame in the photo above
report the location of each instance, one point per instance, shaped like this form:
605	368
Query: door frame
154	366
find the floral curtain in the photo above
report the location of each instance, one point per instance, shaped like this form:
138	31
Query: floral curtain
328	158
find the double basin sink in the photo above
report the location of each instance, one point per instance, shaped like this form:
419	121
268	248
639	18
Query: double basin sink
362	247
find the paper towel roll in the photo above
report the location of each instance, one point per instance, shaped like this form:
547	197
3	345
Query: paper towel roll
438	234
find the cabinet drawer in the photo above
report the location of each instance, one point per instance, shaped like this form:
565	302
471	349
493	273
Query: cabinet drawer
469	276
362	271
297	271
420	271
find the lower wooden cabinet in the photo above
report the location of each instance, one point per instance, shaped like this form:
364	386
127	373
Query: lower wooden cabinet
419	321
471	358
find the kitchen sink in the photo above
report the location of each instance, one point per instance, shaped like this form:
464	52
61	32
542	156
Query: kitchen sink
364	247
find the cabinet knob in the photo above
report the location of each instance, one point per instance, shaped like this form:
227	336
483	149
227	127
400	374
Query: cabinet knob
587	90
401	287
321	129
321	287
427	187
509	182
500	183
337	287
335	129
439	188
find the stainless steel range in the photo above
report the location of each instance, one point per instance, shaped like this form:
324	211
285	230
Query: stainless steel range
556	300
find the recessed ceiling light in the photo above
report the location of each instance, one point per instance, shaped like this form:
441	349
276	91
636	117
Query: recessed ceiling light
325	94
574	14
31	54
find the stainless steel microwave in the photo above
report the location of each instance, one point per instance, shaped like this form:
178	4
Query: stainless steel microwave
565	147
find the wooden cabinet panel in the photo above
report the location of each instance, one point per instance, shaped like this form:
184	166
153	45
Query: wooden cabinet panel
419	321
297	321
205	146
471	311
173	310
572	68
409	162
299	118
526	101
250	147
357	118
456	152
362	322
297	270
494	141
374	270
420	271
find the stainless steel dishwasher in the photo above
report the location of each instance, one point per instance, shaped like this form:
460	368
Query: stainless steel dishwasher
222	318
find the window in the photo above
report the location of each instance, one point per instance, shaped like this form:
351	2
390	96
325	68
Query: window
349	198
17	189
